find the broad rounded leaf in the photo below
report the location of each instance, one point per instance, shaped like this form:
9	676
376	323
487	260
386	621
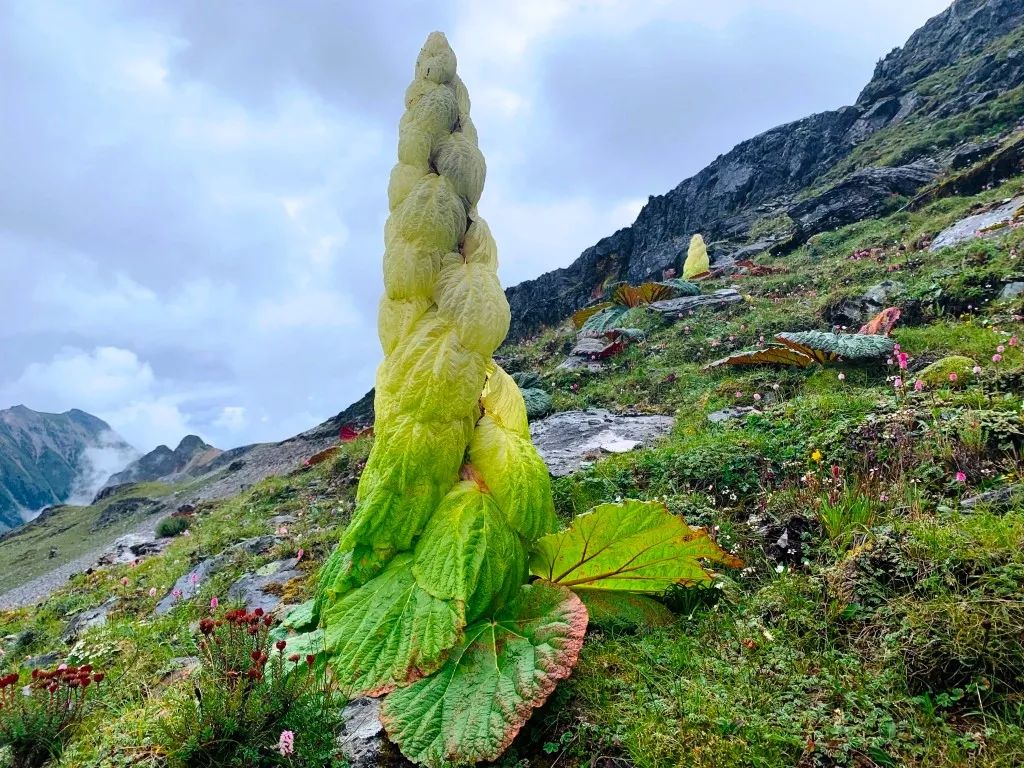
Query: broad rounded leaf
768	356
474	706
635	546
605	319
389	632
581	316
827	347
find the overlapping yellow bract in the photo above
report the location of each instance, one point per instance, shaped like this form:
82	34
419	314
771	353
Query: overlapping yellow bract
453	489
697	261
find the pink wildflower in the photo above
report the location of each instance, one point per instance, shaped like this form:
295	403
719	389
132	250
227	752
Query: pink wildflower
299	554
193	577
124	581
152	591
1000	349
757	397
961	477
897	382
286	743
176	593
1013	341
953	377
902	360
738	393
282	530
918	385
214	602
842	377
976	370
996	358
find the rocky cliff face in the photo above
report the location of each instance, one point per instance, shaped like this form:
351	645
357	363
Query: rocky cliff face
783	186
192	457
46	458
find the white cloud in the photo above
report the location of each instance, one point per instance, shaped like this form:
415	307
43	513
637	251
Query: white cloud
231	418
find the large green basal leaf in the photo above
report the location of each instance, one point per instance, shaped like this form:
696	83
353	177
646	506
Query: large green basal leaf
827	347
635	546
604	320
389	632
474	706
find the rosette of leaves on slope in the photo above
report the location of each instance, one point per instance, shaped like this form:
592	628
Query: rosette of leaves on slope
807	348
612	314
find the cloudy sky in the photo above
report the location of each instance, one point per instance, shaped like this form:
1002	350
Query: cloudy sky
193	194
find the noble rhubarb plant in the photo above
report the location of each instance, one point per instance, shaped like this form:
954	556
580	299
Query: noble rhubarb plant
427	598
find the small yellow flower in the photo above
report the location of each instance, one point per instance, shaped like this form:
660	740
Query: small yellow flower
816	456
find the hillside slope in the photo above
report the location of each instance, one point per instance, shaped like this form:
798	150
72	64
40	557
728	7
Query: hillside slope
959	79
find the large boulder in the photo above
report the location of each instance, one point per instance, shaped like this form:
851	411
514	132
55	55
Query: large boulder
566	440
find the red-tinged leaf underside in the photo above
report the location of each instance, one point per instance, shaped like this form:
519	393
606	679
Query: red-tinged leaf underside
474	706
635	546
767	356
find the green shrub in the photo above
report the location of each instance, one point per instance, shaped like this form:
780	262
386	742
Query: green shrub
39	713
249	690
172	526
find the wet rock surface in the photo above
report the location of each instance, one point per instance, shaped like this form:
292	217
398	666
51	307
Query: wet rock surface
188	585
1000	498
566	440
728	414
686	304
87	619
363	741
985	224
856	311
262	588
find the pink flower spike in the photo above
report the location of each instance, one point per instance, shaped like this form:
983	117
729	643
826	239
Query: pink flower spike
176	594
757	397
193	577
961	477
299	554
214	602
738	393
1000	349
976	370
996	358
124	580
902	359
286	743
1013	341
918	385
282	530
953	377
897	382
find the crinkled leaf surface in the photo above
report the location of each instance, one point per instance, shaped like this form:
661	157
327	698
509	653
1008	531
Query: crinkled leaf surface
605	319
474	706
635	546
389	632
581	316
827	347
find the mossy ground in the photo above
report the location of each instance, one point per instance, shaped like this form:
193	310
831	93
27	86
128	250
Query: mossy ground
885	634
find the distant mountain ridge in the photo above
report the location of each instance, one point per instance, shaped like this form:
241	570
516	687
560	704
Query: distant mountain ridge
47	458
958	79
193	456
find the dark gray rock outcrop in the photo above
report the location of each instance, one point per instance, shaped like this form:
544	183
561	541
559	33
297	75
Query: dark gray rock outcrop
792	170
